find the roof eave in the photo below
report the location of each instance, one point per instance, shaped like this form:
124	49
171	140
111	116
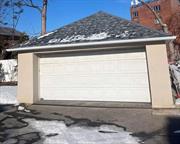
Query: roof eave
46	47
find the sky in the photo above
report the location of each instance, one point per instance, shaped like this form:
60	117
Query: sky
63	12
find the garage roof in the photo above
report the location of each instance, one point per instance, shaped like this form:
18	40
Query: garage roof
99	27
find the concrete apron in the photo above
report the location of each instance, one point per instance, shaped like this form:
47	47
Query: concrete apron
94	104
110	105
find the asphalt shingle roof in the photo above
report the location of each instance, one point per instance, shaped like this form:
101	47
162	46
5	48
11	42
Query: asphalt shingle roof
6	31
97	27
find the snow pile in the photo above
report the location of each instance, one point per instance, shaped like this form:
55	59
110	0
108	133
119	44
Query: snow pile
8	70
74	38
23	109
175	69
175	74
8	95
56	132
177	102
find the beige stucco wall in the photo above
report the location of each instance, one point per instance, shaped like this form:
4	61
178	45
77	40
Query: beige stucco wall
27	78
159	77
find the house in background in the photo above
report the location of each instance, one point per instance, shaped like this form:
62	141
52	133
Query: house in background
8	38
169	11
165	8
101	58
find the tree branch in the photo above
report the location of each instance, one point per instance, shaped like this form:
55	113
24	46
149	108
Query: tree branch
32	5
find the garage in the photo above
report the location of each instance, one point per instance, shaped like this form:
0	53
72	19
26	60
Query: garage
119	75
99	60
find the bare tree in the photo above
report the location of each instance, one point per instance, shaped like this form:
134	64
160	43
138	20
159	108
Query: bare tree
9	12
4	5
2	12
9	16
174	28
41	9
174	25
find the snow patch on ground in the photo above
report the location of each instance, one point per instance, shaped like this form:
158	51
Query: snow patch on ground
23	109
74	38
8	70
56	132
8	95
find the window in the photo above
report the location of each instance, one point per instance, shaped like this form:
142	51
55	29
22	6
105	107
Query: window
135	14
157	8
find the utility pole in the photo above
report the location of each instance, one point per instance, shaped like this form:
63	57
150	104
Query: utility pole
44	17
13	21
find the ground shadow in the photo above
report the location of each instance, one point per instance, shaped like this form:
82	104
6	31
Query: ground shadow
173	128
4	108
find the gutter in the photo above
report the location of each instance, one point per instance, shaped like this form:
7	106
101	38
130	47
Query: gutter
46	47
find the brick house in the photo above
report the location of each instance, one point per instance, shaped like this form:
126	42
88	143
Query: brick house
165	8
169	11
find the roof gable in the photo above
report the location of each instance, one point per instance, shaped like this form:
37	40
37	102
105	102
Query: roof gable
97	27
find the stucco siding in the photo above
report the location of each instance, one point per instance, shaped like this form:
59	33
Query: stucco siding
27	78
159	76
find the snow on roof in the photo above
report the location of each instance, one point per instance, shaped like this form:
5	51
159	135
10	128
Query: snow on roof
73	38
45	35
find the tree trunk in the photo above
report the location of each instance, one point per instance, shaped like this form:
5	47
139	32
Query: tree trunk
44	17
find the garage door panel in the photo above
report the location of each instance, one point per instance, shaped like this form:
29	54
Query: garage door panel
96	80
86	58
100	94
125	66
104	77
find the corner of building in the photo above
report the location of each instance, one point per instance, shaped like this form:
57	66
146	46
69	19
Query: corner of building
159	77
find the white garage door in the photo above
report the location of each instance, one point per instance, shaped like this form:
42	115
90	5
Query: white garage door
120	76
